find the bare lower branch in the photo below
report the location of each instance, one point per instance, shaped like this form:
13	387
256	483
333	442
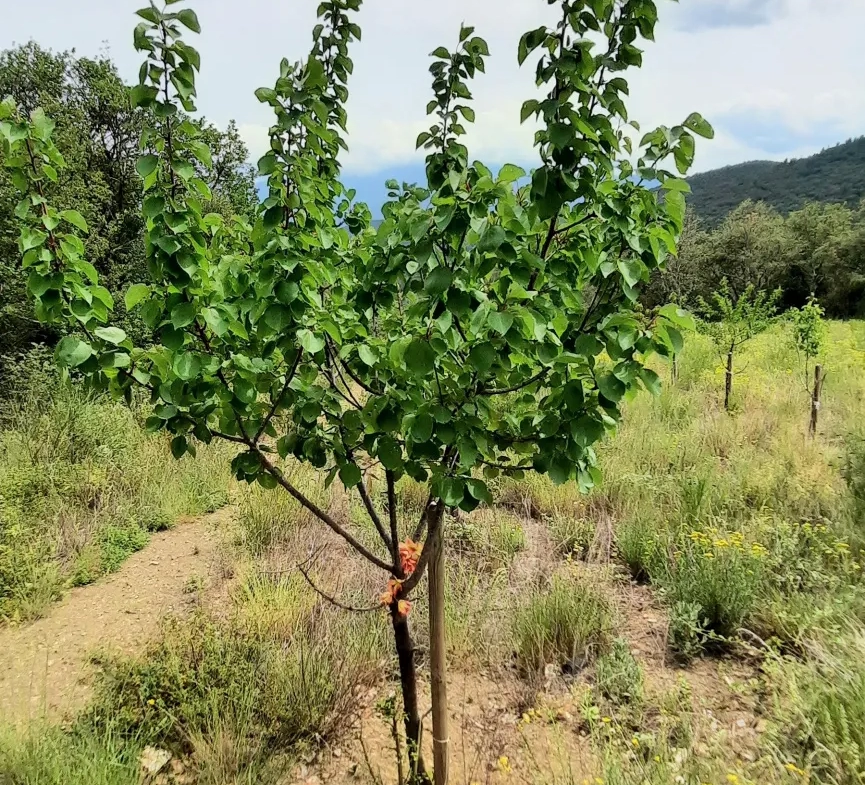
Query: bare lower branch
333	600
318	512
373	515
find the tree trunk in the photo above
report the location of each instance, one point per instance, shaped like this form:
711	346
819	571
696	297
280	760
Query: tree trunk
674	370
728	380
408	683
815	400
438	666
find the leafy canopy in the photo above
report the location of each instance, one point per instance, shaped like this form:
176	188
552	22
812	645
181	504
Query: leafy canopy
731	321
491	322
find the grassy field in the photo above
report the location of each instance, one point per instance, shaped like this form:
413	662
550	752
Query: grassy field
81	487
699	618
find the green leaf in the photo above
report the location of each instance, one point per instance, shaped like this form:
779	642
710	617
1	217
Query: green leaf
350	475
135	294
179	446
441	52
697	123
611	387
529	42
479	490
560	469
420	357
510	173
482	356
500	321
389	453
278	317
651	380
188	18
367	354
110	334
678	316
422	427
72	351
187	366
309	341
76	219
146	165
438	281
182	315
493	237
452	491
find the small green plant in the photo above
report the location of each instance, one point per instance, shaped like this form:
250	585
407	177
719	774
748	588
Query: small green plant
686	634
567	624
618	675
809	335
732	319
571	536
716	571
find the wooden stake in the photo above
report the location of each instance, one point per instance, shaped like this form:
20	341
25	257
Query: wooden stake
815	400
438	666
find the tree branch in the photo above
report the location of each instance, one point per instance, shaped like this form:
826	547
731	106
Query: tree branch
539	375
333	600
394	519
352	375
317	511
288	379
435	516
373	515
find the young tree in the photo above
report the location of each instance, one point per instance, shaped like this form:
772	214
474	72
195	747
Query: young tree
486	327
732	321
809	335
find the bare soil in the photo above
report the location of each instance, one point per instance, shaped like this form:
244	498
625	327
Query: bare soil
45	666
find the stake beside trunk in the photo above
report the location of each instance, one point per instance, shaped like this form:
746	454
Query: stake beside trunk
438	666
728	380
816	392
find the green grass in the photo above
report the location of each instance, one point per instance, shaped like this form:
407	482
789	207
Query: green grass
50	756
81	488
566	624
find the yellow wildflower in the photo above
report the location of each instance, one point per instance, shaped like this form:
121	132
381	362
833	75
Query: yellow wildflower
504	764
151	702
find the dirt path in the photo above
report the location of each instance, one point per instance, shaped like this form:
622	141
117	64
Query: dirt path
45	669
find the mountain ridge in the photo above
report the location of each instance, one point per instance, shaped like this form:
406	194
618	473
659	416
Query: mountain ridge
835	174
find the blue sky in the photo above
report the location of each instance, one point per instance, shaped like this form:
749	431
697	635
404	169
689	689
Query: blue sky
777	78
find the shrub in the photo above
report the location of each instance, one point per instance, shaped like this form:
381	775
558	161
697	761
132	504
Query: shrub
566	623
269	674
571	535
719	573
686	634
618	675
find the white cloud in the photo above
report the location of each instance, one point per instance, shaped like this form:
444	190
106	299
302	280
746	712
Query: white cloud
792	63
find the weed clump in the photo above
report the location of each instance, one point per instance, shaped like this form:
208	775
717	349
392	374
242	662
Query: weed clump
568	623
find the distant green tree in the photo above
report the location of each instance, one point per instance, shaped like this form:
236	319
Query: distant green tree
732	320
98	133
750	248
